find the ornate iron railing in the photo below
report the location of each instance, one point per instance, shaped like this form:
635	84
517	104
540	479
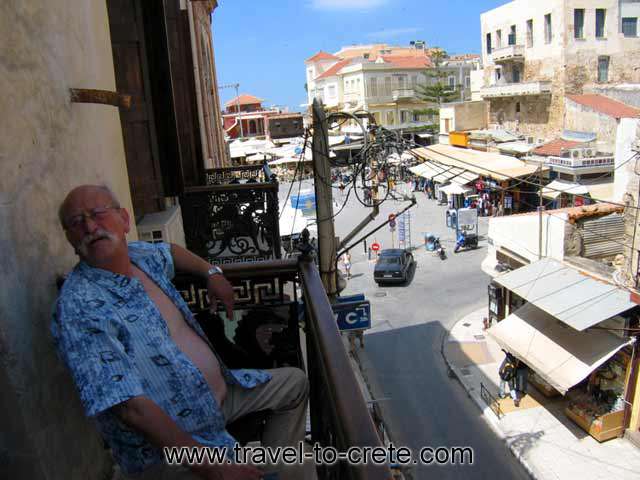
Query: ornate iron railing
339	414
234	218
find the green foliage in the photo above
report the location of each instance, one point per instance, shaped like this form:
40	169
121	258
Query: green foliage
437	91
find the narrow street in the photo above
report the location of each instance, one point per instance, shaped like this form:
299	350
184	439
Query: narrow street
402	361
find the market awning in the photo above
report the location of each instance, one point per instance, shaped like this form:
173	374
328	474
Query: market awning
488	164
558	187
559	354
455	189
568	294
443	173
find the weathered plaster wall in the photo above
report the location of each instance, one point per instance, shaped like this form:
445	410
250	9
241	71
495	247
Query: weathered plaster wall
47	146
583	119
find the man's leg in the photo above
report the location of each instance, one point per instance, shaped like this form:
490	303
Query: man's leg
286	396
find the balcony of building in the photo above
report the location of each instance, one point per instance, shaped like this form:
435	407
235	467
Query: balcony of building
510	53
403	94
516	89
233	220
578	163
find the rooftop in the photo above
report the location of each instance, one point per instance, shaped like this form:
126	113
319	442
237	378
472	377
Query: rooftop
554	148
243	99
400	61
605	105
334	69
321	55
578	213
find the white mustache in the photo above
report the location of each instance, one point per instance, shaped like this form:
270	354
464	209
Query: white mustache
97	235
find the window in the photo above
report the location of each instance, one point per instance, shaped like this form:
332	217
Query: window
387	86
366	56
452	81
416	117
578	23
603	69
548	32
601	18
404	116
467	82
630	26
517	107
512	35
499	39
373	87
516	74
488	44
391	118
414	81
529	33
332	91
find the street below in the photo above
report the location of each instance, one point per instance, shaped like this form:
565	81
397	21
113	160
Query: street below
402	358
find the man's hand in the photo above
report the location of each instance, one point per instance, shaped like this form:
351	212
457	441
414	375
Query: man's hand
230	471
219	288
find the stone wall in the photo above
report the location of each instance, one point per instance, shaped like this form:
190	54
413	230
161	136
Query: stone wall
49	145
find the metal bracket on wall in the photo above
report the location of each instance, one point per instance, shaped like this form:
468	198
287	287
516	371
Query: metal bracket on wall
104	97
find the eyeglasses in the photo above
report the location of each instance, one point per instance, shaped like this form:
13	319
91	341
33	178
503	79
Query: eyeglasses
95	214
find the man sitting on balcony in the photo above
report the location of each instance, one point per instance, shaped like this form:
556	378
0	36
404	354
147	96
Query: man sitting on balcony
142	364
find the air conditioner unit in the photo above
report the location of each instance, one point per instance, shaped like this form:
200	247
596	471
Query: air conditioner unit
589	152
163	227
575	153
531	140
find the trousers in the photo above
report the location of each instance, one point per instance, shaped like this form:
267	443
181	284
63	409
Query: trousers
285	395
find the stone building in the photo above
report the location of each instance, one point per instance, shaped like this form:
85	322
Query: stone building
537	53
157	53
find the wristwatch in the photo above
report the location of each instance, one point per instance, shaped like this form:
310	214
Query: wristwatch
214	270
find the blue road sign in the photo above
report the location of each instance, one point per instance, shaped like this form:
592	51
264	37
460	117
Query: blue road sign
353	315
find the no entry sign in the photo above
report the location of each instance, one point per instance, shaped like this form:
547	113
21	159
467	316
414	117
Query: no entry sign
375	247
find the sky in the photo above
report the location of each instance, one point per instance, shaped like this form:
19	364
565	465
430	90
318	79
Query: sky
262	44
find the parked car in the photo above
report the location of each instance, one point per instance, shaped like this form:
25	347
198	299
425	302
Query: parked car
393	266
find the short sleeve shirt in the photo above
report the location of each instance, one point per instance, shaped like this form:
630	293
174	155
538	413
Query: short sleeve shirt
117	346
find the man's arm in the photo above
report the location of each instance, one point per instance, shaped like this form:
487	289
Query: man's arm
218	287
146	417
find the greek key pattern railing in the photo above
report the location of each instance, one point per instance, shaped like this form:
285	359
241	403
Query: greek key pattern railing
235	219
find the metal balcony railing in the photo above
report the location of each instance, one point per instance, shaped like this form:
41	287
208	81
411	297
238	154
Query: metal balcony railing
234	218
339	415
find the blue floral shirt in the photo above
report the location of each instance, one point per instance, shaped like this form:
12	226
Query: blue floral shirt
117	346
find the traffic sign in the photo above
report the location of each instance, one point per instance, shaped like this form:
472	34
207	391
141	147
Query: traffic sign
392	217
353	315
375	247
392	224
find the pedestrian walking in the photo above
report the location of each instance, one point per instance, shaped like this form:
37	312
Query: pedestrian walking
346	263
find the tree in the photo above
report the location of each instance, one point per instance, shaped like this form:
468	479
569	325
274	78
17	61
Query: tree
437	91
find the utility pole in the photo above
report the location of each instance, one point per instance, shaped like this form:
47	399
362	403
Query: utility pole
324	201
540	207
237	87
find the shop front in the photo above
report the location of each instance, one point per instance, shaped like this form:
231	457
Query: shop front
573	332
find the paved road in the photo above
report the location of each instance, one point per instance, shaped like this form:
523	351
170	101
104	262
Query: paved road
402	358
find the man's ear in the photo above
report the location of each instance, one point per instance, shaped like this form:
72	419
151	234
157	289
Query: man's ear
126	219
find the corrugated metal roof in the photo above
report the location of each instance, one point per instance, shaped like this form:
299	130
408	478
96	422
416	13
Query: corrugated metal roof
568	294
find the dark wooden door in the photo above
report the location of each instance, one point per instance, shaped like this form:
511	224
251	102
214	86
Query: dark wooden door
138	127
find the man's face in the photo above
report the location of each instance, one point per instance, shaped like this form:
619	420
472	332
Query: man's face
96	230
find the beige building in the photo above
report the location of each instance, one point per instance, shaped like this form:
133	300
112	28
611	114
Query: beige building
52	142
383	80
536	53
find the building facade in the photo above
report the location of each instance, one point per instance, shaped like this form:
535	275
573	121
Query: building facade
245	117
383	80
536	53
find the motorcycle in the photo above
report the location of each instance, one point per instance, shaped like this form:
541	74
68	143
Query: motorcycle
466	240
439	250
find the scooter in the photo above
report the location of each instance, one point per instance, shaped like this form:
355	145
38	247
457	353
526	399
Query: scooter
466	240
439	250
